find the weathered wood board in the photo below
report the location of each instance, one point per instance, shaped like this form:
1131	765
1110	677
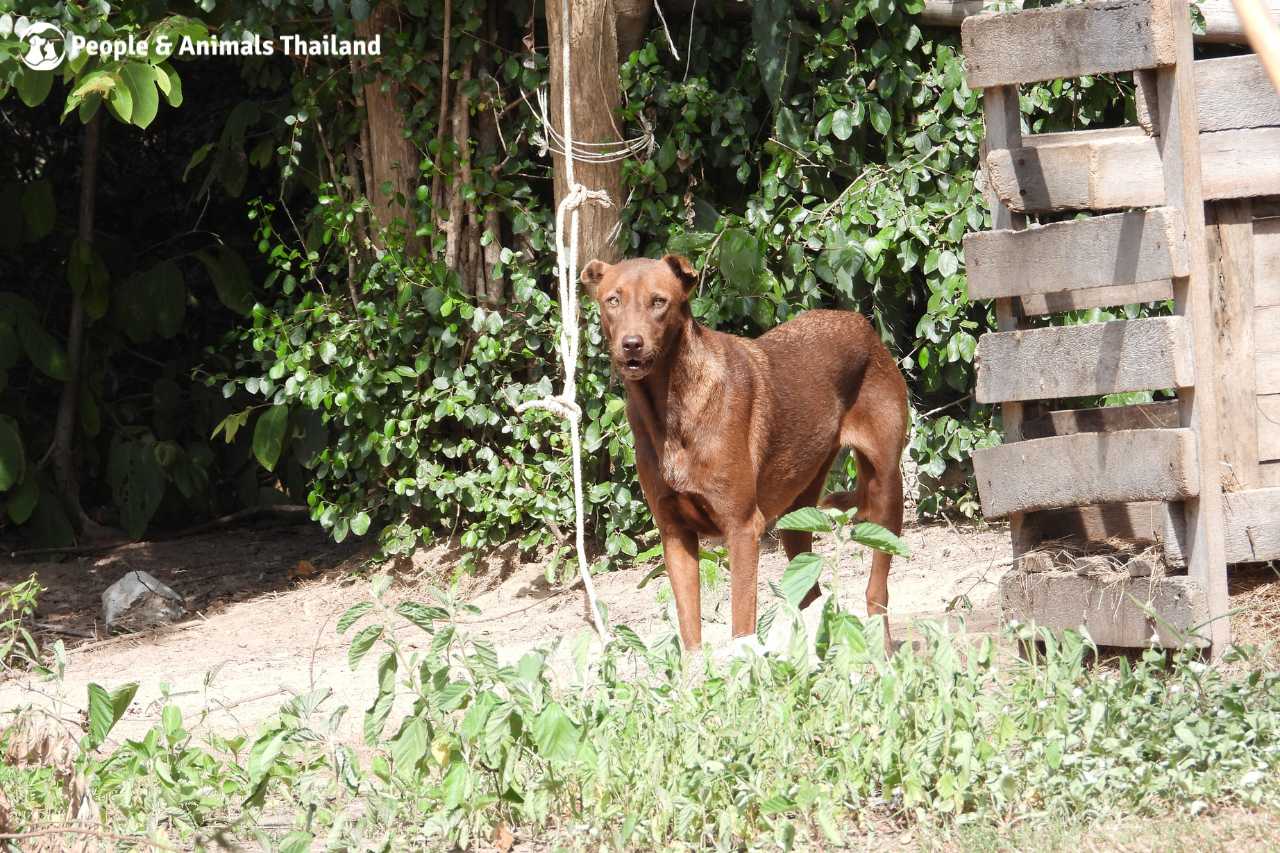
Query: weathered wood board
1221	24
1252	525
1077	361
1117	169
1229	233
1037	305
1267	372
1162	415
1044	44
1266	329
1232	92
1269	428
1087	468
1269	474
1142	522
1121	248
1111	611
1266	262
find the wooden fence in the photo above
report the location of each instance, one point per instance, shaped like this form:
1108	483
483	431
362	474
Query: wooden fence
1198	474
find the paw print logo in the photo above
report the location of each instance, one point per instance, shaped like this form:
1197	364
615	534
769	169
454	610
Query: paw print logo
44	45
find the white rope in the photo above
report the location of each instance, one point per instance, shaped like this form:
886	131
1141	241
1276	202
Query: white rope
589	152
565	403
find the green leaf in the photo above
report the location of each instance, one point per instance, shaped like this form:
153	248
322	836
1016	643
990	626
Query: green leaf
808	519
137	483
173	90
268	435
262	756
842	124
948	264
741	258
298	841
352	615
140	77
555	735
775	46
22	502
167	296
13	458
421	615
106	709
375	718
33	86
362	643
45	352
120	101
800	576
874	536
409	748
230	279
880	119
360	523
39	209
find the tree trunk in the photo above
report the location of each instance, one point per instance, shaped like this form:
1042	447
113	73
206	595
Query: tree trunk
64	432
633	25
595	97
390	159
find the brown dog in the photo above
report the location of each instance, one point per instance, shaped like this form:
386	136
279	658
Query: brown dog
732	433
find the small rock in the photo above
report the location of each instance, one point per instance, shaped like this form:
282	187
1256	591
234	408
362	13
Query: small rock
138	601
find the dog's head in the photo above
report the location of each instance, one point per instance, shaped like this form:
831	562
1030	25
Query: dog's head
643	308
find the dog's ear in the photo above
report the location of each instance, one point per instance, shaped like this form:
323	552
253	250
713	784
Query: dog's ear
592	273
683	270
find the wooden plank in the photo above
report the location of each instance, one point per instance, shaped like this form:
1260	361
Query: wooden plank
1269	474
1150	354
1120	168
1141	523
1179	144
1221	25
1253	525
1267	372
1231	92
1266	329
1268	421
1266	262
1230	251
1107	419
1113	612
1002	120
1097	297
1044	44
1122	248
1087	468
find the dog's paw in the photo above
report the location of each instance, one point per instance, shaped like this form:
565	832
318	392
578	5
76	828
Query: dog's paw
745	647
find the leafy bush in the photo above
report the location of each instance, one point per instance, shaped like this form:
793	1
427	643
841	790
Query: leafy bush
643	748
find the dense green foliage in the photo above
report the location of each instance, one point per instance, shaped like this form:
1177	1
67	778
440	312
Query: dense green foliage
257	347
639	747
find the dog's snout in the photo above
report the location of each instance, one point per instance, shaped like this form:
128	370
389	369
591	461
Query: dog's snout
632	344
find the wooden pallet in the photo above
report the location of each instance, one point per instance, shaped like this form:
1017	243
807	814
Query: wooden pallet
1058	467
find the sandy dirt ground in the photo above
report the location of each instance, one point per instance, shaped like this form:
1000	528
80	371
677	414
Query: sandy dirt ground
262	626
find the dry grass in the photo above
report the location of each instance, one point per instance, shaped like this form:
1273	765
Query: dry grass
1255	606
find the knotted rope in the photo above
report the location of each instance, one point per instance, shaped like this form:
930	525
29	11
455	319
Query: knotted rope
565	404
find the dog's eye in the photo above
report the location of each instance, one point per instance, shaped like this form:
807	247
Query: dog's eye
613	301
659	302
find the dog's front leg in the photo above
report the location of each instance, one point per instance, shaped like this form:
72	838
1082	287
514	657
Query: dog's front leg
744	560
680	552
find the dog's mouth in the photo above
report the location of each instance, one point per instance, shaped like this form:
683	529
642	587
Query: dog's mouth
634	367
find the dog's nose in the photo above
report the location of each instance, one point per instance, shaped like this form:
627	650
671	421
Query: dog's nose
632	343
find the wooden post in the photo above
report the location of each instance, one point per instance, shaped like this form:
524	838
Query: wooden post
1179	146
1003	120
